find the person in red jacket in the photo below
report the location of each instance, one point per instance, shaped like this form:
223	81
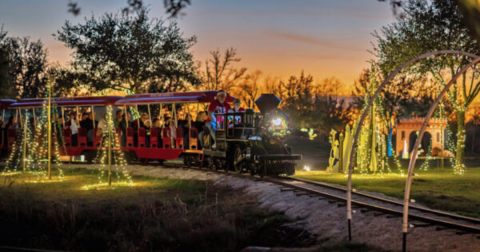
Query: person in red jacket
217	106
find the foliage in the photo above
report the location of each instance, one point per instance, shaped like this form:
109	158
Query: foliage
27	71
248	90
431	26
220	74
314	105
173	7
129	52
4	66
158	214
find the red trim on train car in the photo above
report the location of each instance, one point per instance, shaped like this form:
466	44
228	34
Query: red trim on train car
67	101
201	96
5	103
156	153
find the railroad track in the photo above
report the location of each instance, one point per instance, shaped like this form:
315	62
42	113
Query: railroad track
467	225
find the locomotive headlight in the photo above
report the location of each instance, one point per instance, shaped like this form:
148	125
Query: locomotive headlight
277	121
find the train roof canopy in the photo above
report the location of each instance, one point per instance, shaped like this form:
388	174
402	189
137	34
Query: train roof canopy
5	103
171	97
67	101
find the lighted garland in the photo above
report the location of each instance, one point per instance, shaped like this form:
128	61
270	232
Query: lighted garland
16	155
117	154
364	149
39	150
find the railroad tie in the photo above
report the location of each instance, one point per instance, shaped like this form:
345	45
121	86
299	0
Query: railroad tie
286	189
302	193
419	225
393	216
442	228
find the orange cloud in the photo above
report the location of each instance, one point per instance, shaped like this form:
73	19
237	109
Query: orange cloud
324	42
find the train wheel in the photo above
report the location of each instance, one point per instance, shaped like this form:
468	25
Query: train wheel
143	161
237	157
211	163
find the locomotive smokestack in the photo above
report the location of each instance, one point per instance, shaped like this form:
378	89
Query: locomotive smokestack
267	103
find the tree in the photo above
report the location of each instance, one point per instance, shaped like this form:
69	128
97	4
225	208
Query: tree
173	7
5	79
130	52
220	74
394	100
275	85
249	88
27	67
430	26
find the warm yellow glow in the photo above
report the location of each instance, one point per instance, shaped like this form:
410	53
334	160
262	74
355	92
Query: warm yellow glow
103	186
10	173
41	181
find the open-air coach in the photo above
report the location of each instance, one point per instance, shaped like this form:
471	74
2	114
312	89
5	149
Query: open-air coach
73	141
7	118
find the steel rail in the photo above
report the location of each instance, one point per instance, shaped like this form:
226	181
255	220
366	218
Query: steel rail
389	201
358	204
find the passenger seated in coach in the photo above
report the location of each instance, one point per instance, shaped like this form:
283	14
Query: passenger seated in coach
186	137
173	134
87	124
167	122
72	124
157	123
123	123
199	124
147	125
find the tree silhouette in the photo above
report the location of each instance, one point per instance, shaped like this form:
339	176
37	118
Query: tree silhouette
219	72
130	52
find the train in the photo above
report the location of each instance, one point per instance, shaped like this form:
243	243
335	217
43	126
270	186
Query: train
246	142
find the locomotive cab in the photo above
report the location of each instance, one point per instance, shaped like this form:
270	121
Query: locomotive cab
252	142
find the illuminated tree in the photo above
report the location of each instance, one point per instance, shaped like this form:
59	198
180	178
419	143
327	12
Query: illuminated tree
430	26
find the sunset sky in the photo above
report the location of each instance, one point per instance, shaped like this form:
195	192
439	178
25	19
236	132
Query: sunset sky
279	37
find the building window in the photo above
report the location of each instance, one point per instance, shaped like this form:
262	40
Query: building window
438	137
403	135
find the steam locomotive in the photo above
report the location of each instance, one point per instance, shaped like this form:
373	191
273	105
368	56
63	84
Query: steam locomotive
252	142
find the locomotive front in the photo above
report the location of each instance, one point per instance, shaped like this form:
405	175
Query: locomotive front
270	153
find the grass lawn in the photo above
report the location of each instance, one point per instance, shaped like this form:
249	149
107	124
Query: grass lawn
435	188
155	214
